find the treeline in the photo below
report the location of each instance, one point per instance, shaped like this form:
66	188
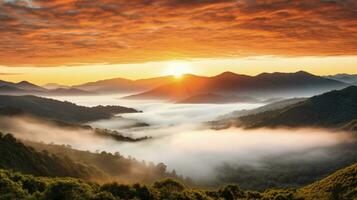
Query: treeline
340	185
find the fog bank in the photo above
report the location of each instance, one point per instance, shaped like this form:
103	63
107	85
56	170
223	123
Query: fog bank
190	150
179	140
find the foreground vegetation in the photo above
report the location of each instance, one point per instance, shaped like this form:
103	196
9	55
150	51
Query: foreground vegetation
52	172
341	185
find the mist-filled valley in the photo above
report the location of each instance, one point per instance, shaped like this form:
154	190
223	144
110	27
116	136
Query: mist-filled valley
178	100
178	136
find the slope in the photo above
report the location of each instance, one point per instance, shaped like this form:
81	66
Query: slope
261	86
333	109
59	110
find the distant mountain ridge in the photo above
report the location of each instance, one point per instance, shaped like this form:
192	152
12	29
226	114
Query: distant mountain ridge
27	88
51	86
265	85
346	78
122	85
192	87
23	85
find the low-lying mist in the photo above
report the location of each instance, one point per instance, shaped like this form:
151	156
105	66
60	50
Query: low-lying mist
179	140
198	153
191	150
37	130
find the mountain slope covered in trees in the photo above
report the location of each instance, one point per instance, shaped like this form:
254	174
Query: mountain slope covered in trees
16	156
333	109
63	161
340	185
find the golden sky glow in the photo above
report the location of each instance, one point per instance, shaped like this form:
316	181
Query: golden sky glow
140	38
208	67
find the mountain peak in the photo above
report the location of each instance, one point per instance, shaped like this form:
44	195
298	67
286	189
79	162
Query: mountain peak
229	74
301	72
25	83
279	74
28	86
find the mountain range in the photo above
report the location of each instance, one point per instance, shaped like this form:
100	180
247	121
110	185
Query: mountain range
122	85
26	88
227	87
346	78
266	85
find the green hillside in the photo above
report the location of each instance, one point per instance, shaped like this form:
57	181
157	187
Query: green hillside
61	160
16	156
342	185
335	109
116	166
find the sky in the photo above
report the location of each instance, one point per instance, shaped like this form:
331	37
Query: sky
75	41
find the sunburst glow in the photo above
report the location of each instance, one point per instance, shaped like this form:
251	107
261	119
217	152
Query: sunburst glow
177	69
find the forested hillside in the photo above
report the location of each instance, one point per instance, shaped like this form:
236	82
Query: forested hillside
335	109
60	160
115	165
18	157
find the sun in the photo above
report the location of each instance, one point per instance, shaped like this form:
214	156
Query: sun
178	69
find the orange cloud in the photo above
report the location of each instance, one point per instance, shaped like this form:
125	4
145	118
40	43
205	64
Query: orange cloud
73	32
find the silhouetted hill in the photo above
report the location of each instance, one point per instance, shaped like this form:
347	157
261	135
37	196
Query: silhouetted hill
346	78
265	85
121	85
52	86
332	109
27	88
67	91
269	107
177	89
23	85
59	110
216	99
10	89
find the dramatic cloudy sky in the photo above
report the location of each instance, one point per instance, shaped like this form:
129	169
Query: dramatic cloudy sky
53	33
